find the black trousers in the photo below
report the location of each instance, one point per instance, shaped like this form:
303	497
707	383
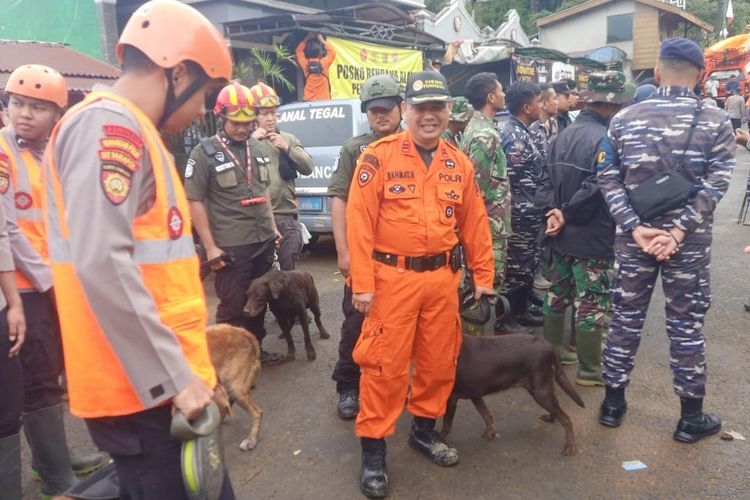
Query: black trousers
736	123
291	242
147	458
41	354
11	383
251	261
346	371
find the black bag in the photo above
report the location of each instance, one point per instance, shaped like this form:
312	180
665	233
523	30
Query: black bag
665	191
314	68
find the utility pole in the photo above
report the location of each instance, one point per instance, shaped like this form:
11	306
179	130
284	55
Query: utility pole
721	17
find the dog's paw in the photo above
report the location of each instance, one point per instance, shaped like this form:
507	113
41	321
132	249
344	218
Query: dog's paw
248	444
311	355
568	450
324	334
290	356
489	435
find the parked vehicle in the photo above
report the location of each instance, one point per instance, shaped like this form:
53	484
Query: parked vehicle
729	58
322	126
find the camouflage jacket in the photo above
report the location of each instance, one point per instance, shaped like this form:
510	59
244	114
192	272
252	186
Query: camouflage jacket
542	137
524	162
454	139
481	143
649	138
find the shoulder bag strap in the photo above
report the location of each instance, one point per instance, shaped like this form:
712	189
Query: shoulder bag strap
693	125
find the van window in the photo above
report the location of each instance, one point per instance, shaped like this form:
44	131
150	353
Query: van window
318	125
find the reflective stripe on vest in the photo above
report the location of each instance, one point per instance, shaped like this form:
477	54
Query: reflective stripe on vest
163	249
26	179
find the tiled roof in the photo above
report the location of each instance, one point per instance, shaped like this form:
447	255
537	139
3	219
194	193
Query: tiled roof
81	72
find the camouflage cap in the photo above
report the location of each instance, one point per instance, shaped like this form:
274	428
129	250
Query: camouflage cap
608	86
462	110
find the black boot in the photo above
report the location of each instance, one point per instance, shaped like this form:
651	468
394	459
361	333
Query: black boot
425	438
519	306
613	407
505	324
374	482
10	467
694	424
348	406
45	433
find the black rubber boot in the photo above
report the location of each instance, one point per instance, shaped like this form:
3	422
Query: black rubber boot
348	406
425	439
45	433
694	425
82	463
374	482
10	467
613	407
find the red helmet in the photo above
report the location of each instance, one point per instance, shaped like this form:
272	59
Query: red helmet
264	96
236	102
39	82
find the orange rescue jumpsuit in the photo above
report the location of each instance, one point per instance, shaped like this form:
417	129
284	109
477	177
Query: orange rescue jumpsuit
398	206
317	86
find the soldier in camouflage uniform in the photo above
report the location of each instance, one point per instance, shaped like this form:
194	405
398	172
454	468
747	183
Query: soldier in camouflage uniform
524	171
645	139
481	143
579	231
381	100
540	129
461	113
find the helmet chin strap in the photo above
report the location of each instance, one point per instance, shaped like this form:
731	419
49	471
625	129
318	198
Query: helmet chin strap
173	101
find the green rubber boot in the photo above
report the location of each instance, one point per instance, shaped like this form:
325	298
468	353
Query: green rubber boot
554	333
590	357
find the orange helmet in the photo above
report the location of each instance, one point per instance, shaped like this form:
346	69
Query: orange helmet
170	32
39	82
264	96
236	102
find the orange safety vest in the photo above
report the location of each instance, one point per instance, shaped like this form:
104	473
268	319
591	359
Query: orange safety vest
26	176
98	385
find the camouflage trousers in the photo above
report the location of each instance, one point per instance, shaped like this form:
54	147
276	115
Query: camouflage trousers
686	284
583	283
523	251
500	256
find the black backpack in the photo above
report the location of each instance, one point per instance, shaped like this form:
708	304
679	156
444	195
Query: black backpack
314	68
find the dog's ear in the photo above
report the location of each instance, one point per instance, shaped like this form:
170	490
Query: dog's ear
275	286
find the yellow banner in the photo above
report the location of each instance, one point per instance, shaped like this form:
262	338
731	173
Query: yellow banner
357	61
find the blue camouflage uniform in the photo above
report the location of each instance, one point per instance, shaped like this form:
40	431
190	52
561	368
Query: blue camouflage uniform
645	139
524	172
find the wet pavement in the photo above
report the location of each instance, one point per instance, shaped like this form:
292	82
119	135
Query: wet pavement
305	451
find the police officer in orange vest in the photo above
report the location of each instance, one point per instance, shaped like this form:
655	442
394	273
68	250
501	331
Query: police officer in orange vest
412	200
37	99
130	300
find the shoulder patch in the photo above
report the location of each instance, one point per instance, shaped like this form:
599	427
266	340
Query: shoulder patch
189	168
115	183
124	133
4	172
371	160
365	175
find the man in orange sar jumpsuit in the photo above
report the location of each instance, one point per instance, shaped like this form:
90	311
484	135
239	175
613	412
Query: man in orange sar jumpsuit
410	193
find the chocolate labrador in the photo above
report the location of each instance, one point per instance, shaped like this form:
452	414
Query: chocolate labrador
289	294
235	354
488	365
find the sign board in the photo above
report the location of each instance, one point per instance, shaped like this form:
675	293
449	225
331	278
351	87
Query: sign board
547	71
355	62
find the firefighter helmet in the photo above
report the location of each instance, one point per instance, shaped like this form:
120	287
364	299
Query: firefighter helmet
236	102
265	96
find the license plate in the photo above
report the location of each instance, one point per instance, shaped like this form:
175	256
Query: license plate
312	203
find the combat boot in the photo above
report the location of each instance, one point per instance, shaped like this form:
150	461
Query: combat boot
348	406
425	439
694	425
374	483
613	407
10	467
554	333
45	433
505	324
589	352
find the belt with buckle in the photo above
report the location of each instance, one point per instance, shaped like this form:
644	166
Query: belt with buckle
418	264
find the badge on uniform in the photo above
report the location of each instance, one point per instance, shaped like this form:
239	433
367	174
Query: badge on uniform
449	164
4	172
365	176
175	223
448	212
189	168
219	156
120	154
397	189
23	200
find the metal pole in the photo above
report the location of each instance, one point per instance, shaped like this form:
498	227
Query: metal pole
721	17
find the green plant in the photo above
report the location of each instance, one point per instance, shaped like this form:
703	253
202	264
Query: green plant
271	67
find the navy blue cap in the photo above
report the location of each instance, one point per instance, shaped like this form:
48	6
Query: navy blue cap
684	50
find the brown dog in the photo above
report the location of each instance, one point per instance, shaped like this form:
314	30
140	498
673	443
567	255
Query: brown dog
289	294
235	354
492	364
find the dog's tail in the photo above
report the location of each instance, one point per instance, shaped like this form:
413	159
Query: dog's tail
564	382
